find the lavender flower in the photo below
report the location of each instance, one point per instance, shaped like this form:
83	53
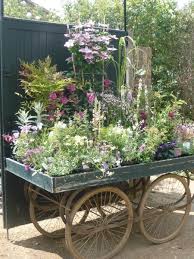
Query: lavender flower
105	166
33	151
25	129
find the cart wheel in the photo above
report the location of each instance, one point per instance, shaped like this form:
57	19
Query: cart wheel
101	235
66	204
164	208
44	213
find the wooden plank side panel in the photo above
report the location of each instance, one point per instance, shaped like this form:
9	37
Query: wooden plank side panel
38	179
79	181
124	173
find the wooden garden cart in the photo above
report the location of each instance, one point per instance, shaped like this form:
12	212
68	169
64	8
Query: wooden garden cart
95	212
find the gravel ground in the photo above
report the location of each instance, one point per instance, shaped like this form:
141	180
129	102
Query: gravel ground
26	243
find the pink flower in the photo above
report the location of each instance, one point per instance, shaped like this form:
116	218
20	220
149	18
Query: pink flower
80	114
107	83
89	56
104	55
91	97
8	138
52	107
171	115
27	167
142	148
61	113
86	50
51	118
64	100
25	129
53	96
71	88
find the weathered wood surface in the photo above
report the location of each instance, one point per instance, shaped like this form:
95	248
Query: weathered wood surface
87	179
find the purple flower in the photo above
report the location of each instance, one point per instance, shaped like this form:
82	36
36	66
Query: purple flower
91	97
105	166
71	88
107	83
143	115
142	148
27	167
53	96
33	151
25	129
143	124
64	100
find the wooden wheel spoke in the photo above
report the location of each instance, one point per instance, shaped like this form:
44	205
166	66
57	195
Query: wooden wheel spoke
159	221
107	227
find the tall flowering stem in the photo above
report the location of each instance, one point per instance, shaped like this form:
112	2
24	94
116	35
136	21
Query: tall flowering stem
90	49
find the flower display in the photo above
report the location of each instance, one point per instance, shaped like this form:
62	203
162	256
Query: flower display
84	119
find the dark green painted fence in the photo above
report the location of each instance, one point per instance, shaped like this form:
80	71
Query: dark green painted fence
25	40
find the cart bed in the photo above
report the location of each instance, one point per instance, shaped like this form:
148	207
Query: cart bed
87	179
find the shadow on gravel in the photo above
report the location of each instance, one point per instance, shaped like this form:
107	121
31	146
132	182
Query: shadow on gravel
54	246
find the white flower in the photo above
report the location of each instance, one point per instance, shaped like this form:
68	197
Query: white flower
39	125
118	129
69	44
16	135
51	134
79	140
109	173
60	125
28	15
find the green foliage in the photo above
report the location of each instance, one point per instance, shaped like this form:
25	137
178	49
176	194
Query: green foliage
115	135
155	24
100	11
41	78
24	10
24	118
